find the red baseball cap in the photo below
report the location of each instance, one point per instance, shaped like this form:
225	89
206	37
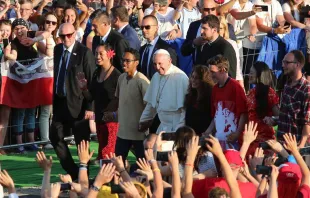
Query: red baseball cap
233	157
289	172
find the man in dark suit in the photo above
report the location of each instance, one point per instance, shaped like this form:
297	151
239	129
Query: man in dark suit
69	105
193	36
154	42
119	21
105	34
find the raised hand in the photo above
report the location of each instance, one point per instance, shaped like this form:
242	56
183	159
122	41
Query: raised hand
145	169
173	159
275	146
65	178
82	82
105	174
45	164
257	159
7	181
130	189
83	152
55	189
250	132
290	142
214	145
117	161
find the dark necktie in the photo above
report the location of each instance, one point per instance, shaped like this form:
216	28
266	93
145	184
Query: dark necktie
62	74
144	66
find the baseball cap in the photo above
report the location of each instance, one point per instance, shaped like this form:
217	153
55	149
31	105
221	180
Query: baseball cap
233	157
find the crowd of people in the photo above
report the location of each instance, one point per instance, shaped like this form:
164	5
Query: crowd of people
113	68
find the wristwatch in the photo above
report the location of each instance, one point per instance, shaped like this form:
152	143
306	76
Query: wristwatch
94	188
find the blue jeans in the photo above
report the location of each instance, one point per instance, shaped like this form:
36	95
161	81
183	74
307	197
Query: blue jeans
21	115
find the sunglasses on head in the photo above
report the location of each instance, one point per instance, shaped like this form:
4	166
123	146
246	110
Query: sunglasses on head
147	27
208	9
50	22
62	36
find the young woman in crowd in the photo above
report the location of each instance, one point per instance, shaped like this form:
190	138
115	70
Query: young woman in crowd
46	49
102	92
262	103
225	34
292	13
71	16
198	99
21	49
5	33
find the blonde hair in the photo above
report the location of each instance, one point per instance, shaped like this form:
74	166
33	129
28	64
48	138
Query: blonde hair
223	24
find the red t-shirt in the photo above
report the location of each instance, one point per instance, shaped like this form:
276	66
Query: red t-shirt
201	188
303	192
228	103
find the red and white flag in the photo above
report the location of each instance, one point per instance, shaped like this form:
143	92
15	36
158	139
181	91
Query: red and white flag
27	86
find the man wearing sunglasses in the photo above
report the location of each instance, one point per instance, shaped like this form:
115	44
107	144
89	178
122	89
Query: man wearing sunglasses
101	24
69	105
193	36
149	29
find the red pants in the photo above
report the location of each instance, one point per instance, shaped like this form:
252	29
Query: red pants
106	134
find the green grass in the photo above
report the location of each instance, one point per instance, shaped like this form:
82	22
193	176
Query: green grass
26	173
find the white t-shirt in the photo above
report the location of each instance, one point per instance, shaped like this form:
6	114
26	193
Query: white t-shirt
269	18
239	75
165	21
188	16
44	42
286	8
79	34
242	24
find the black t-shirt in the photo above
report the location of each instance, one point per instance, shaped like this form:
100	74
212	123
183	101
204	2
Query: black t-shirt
24	52
103	94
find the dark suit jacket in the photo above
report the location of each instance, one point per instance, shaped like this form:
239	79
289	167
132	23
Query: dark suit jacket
131	36
81	60
118	43
161	44
187	47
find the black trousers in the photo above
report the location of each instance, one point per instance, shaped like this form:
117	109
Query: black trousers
62	123
123	146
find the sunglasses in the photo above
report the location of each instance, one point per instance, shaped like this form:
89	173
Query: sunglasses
147	27
208	9
50	22
62	36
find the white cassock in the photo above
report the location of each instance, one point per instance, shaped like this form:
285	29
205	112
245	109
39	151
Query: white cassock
165	96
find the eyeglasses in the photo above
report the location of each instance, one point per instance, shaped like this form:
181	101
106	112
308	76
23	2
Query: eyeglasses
208	9
127	60
147	27
50	22
285	62
62	36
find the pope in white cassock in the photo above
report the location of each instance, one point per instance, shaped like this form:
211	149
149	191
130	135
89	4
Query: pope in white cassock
165	96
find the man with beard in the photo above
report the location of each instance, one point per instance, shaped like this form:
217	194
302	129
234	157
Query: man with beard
214	44
295	102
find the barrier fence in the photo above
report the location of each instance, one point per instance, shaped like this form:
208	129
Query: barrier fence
10	134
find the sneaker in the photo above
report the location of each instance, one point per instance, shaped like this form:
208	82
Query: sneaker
33	147
48	147
71	143
21	150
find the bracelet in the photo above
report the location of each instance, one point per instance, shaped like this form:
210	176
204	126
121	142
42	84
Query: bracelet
82	168
191	165
272	30
156	170
122	171
114	115
94	188
178	10
139	8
